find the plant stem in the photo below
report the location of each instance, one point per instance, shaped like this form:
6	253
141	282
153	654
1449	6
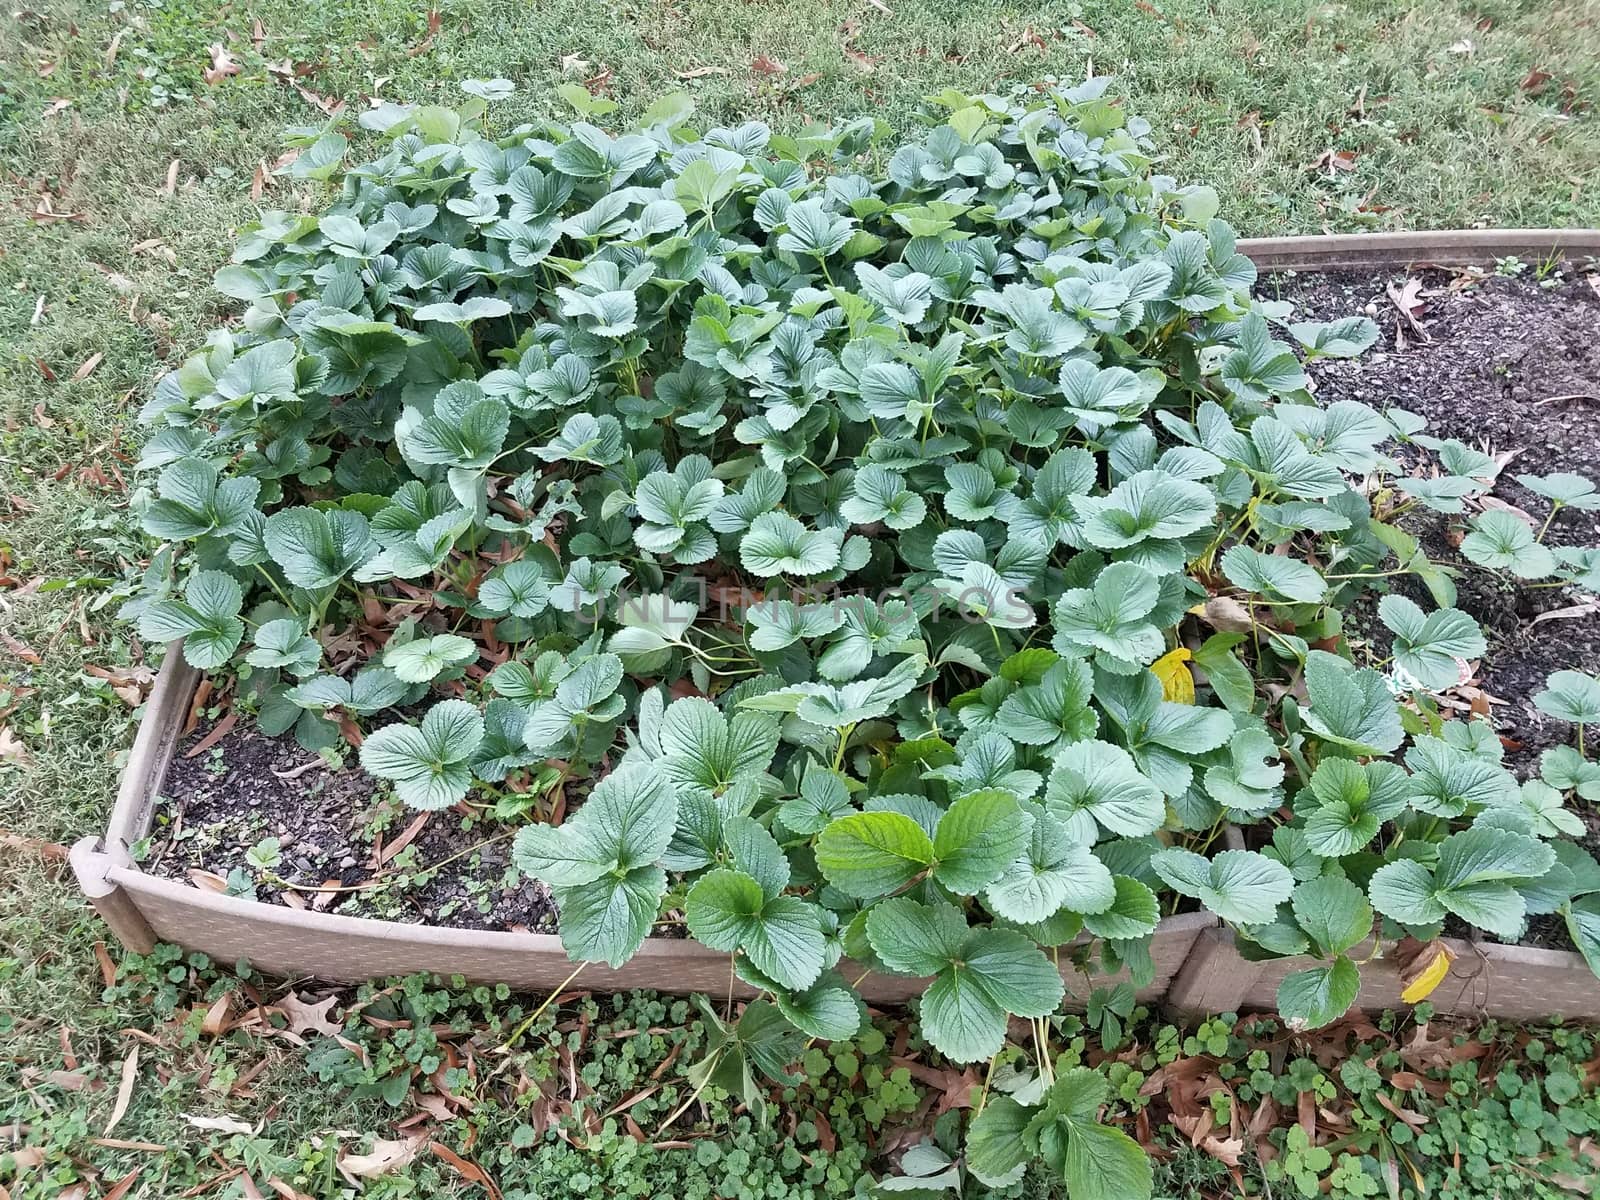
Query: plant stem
523	1028
380	879
267	575
1555	507
693	1096
983	1095
1371	574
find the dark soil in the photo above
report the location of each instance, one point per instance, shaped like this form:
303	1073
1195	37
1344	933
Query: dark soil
330	825
1510	366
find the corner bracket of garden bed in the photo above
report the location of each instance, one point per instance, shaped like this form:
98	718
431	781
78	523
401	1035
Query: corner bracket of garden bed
92	866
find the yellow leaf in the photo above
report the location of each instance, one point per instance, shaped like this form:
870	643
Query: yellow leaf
1429	977
1177	684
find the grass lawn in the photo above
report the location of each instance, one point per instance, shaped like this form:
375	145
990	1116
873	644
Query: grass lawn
134	137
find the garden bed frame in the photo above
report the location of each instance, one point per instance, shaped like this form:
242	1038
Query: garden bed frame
1197	967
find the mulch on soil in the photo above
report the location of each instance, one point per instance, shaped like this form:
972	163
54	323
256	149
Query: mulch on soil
1510	367
248	787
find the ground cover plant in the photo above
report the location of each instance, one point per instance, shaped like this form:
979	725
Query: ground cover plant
415	1087
929	564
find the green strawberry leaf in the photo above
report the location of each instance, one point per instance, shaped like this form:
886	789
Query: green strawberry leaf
1427	646
207	619
427	763
1318	996
981	977
1351	707
1240	886
873	854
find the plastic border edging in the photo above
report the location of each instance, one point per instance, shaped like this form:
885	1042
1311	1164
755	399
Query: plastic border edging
1515	982
1438	248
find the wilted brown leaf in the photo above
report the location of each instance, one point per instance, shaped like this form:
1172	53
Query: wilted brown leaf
222	1124
222	65
385	1156
1227	615
304	1017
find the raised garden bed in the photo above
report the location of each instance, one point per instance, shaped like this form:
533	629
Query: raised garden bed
1449	379
905	578
931	568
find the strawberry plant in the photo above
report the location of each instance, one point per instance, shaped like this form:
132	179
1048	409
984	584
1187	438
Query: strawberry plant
921	554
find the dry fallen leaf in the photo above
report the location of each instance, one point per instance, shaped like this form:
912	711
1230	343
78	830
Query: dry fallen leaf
385	1156
222	65
49	851
1500	505
21	649
11	748
470	1171
130	1072
1533	83
1588	608
1332	161
1409	304
87	366
308	1018
222	1124
215	1023
108	969
124	1185
866	63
